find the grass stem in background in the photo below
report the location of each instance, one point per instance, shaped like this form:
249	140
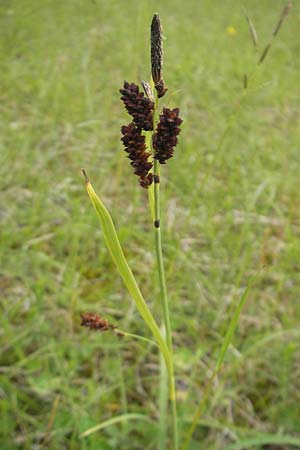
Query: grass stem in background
282	17
226	342
252	29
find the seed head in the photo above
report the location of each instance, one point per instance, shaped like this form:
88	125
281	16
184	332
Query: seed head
138	106
157	56
165	138
95	322
135	146
156	49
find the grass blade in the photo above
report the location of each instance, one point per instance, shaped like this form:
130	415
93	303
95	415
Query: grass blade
252	30
233	324
264	439
113	421
115	249
227	340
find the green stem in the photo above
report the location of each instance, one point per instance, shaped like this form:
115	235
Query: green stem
163	399
164	298
160	263
135	336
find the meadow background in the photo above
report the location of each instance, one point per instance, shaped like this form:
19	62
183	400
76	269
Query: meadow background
230	205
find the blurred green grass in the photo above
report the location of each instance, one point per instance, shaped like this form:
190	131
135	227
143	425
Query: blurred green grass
230	204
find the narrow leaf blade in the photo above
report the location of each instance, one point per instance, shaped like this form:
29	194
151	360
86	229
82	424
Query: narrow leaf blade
113	421
117	254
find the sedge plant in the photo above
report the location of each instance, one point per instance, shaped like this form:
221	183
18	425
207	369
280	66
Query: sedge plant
150	140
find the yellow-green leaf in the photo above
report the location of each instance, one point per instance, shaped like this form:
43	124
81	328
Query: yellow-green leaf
117	254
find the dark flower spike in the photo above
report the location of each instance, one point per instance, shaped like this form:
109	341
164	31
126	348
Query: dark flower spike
95	322
165	139
156	49
157	56
135	145
146	181
138	106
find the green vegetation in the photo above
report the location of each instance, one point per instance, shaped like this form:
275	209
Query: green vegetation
229	205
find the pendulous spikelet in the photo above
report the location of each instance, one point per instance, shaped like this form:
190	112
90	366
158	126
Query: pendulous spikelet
95	322
135	145
165	138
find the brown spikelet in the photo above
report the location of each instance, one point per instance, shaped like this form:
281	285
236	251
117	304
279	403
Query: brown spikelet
156	49
165	139
135	145
95	322
161	89
157	56
138	106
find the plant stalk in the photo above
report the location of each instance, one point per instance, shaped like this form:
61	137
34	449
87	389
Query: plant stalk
164	298
163	400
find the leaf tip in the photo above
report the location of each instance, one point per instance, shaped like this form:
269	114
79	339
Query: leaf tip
85	176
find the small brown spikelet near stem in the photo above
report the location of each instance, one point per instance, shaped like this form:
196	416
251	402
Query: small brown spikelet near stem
135	145
95	322
157	56
165	139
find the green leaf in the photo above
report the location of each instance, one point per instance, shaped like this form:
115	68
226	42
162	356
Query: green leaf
117	254
233	324
226	342
113	421
264	439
